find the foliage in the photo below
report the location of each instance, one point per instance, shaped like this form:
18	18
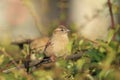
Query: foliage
100	60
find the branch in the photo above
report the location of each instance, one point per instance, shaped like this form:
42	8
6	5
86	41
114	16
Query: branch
111	14
47	60
10	57
37	63
75	57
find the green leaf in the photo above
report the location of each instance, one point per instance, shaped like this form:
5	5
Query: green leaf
80	63
69	47
113	44
95	55
110	35
101	49
1	59
81	42
118	37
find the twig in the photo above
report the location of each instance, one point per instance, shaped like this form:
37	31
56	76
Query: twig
35	63
111	14
75	56
46	60
10	57
13	68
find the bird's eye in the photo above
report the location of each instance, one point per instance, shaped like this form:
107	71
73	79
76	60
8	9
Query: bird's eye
62	29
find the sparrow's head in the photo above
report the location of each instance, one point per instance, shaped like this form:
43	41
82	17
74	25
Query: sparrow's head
62	30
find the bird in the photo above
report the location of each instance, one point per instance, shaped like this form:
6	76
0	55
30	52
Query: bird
54	46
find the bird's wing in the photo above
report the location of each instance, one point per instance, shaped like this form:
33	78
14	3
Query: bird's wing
39	44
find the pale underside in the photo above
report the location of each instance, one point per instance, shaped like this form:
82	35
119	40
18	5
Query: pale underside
58	46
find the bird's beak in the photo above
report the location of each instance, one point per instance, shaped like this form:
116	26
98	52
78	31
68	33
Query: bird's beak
68	30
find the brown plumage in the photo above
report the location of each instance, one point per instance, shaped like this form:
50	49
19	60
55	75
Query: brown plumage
56	45
38	45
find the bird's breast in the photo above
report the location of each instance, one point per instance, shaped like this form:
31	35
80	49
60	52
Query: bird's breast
60	45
